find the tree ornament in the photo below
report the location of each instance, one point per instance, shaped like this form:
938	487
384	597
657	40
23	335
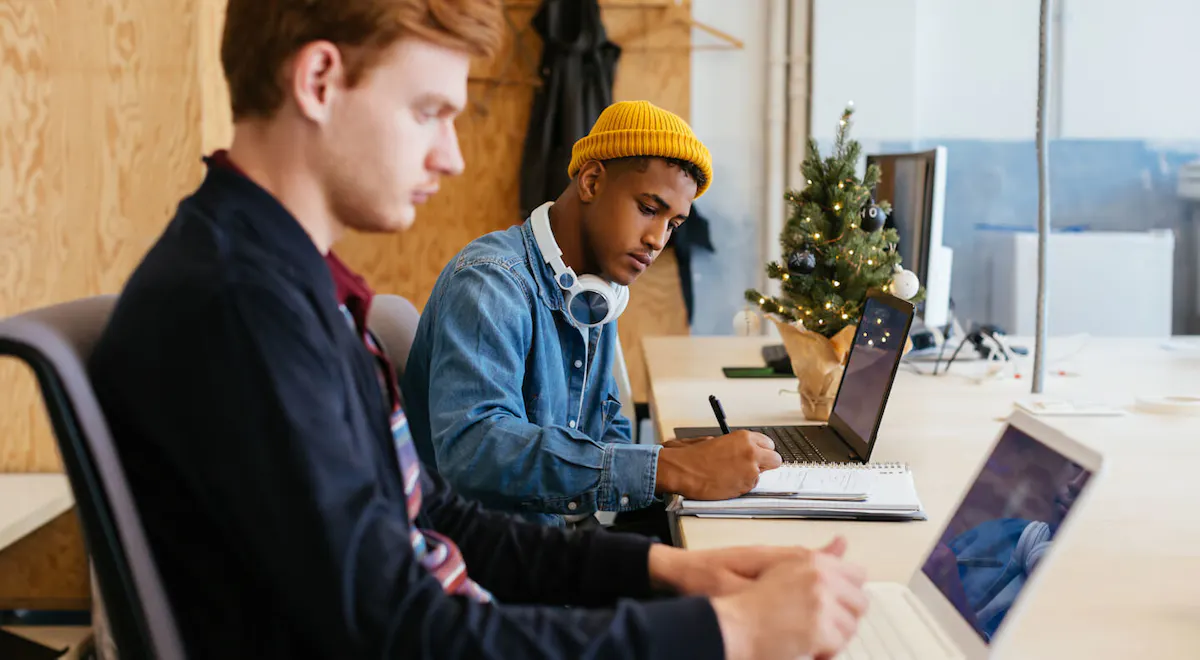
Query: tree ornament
871	218
747	323
803	262
904	283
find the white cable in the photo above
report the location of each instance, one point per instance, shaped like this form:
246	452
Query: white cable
586	367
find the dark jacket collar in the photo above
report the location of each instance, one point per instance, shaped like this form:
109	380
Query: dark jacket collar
244	207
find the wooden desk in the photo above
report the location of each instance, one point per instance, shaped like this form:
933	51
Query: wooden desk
1129	577
28	501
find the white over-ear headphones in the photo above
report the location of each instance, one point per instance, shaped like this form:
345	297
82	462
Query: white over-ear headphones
590	300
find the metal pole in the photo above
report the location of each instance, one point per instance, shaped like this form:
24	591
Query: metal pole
1039	349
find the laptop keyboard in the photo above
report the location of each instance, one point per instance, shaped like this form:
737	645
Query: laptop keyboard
878	638
892	630
792	445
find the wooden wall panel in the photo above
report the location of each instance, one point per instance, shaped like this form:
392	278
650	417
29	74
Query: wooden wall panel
216	117
99	138
46	570
99	116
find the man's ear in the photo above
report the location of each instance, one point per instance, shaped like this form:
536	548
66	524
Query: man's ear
317	74
589	180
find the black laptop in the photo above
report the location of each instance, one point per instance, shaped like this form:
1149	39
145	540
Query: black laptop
861	399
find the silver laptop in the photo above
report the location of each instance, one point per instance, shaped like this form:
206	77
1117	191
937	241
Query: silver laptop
986	561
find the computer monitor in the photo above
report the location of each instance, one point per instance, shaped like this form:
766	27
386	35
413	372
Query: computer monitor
915	185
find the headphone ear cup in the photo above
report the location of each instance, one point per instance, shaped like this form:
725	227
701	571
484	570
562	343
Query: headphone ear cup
597	301
621	302
591	303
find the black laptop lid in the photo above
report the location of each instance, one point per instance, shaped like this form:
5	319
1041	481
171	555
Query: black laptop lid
870	370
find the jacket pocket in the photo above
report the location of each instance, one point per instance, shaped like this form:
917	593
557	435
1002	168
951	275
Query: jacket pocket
612	406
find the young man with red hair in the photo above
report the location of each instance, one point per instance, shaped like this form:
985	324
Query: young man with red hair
283	499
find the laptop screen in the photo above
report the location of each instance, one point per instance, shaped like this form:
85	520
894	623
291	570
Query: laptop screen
870	369
1003	528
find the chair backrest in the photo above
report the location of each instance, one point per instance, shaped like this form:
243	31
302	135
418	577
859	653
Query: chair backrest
625	390
56	342
393	320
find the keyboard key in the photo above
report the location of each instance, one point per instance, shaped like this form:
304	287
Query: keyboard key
868	638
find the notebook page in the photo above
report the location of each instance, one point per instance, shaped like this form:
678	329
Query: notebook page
814	482
892	490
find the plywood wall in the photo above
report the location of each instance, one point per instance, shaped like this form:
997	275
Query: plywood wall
99	109
99	117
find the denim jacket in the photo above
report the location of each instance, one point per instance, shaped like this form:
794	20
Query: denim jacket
509	401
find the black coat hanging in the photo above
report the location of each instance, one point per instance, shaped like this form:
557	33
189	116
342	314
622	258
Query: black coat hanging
691	235
577	69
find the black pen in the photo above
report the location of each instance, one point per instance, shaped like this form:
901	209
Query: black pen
719	412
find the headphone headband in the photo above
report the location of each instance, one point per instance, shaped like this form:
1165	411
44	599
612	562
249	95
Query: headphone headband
590	301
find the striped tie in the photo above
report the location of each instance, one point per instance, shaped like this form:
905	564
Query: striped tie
438	554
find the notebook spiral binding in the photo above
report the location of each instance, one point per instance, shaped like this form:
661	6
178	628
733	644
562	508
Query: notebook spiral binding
849	466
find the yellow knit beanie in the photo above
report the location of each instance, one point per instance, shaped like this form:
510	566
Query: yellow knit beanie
640	128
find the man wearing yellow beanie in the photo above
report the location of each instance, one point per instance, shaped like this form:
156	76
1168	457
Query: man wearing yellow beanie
509	388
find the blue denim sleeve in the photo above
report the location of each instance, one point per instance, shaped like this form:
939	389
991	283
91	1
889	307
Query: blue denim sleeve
484	443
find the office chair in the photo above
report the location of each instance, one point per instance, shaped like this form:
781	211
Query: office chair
393	320
56	342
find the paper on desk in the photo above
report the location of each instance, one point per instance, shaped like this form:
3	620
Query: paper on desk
892	494
814	483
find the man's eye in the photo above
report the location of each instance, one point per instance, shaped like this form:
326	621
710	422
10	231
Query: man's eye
646	210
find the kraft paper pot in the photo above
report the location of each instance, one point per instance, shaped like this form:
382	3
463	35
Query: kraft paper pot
818	362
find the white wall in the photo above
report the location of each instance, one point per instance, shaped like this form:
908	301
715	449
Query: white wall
728	111
918	68
974	66
864	51
1130	69
949	69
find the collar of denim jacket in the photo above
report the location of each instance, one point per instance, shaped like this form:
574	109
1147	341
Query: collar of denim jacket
543	275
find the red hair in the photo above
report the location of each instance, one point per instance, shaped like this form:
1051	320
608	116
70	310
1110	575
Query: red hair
261	35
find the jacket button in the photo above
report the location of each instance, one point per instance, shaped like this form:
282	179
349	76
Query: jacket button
578	364
572	506
571	423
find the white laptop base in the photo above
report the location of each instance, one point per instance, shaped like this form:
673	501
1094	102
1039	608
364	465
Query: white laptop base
898	627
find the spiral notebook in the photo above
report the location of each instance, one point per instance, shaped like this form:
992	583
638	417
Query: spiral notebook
846	490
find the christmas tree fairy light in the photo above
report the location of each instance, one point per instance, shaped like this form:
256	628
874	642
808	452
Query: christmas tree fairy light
835	244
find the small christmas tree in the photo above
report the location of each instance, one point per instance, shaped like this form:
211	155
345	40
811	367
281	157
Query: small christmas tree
834	244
